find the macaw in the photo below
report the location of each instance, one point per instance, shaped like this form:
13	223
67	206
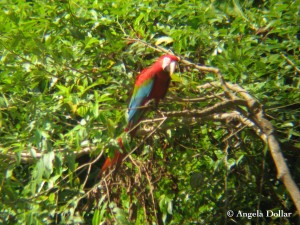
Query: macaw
151	83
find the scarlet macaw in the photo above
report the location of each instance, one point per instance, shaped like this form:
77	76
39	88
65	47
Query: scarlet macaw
151	83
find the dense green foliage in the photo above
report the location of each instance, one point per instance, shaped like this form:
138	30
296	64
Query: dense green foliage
66	73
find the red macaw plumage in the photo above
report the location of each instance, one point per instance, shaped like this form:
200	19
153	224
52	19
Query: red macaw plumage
151	83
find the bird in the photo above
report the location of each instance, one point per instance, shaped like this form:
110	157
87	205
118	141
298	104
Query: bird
151	84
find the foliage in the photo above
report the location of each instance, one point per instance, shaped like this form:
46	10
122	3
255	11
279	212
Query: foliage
66	73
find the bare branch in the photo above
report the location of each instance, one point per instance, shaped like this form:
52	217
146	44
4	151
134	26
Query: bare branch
177	99
235	115
218	107
235	103
267	131
184	61
290	62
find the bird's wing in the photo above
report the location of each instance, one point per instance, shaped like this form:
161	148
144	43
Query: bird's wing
140	93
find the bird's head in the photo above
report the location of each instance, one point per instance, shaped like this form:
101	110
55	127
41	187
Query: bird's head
168	63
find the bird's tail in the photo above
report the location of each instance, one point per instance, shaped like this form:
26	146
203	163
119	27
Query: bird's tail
117	159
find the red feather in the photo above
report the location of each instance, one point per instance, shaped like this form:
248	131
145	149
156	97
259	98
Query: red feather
158	91
118	157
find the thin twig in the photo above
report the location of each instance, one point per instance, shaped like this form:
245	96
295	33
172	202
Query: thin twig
202	99
151	193
182	60
217	108
290	62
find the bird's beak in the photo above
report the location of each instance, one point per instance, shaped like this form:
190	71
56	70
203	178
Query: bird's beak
172	67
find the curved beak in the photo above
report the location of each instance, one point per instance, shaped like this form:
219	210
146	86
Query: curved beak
172	67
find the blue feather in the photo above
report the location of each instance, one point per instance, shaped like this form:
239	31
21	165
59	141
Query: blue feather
139	95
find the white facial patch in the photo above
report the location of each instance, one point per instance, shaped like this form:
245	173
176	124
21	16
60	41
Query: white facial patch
166	62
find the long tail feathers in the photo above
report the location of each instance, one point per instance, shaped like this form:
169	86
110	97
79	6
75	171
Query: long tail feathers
117	159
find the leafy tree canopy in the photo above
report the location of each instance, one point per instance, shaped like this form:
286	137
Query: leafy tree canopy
66	73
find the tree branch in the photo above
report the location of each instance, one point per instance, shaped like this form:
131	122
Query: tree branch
218	107
256	116
251	115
